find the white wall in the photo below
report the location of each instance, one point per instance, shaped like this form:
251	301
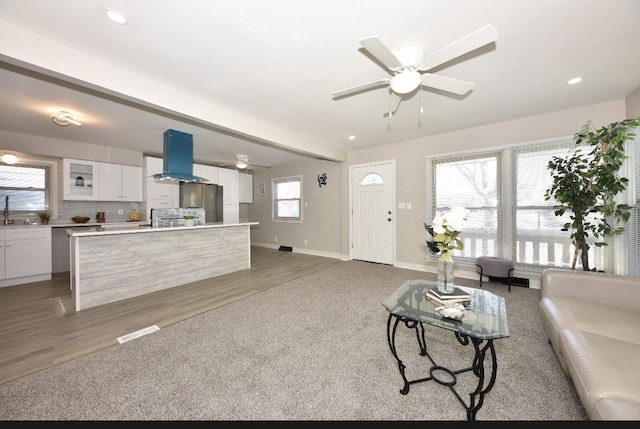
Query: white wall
632	103
322	209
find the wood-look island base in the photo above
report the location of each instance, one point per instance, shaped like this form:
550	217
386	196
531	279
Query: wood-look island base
109	265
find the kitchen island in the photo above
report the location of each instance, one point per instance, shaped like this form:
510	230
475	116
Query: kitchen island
112	264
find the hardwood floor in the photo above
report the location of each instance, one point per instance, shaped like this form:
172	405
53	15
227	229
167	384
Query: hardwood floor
39	327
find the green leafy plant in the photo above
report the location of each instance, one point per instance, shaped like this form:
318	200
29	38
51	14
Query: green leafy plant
586	182
189	217
44	215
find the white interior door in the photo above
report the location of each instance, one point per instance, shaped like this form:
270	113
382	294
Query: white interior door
373	215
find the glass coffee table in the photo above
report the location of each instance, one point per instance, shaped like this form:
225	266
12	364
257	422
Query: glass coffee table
484	320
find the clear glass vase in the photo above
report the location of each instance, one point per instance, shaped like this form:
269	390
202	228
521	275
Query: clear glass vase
445	279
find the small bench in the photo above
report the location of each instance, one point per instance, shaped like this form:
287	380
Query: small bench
492	266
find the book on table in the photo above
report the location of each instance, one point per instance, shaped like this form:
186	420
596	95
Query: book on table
456	294
434	298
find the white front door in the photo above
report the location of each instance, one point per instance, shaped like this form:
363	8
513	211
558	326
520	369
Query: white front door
373	215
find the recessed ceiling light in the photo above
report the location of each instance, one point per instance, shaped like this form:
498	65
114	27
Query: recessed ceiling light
116	16
575	80
352	137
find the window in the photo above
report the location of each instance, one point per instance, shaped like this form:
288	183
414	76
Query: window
504	190
27	187
287	198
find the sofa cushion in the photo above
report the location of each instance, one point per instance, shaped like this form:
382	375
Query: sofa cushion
605	373
570	313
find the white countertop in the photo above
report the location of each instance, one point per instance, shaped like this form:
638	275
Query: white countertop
111	229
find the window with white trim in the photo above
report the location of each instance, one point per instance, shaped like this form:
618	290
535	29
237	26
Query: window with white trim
504	190
27	187
287	198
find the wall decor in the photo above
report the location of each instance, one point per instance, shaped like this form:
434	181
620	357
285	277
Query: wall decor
322	179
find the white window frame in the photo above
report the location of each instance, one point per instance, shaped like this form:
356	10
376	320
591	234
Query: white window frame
508	246
6	190
278	217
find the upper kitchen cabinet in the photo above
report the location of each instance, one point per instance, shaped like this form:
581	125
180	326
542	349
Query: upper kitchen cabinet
245	187
119	182
208	172
80	179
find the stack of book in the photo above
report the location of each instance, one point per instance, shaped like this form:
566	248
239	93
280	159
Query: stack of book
458	295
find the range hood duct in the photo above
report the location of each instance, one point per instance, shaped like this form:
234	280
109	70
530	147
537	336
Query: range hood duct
178	158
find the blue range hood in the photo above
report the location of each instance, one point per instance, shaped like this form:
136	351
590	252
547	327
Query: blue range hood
178	158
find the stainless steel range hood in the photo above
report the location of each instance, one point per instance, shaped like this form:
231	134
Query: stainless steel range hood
178	158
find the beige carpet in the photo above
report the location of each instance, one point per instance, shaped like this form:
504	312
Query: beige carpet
311	349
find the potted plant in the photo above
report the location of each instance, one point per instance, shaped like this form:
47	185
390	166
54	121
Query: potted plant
44	217
189	220
586	182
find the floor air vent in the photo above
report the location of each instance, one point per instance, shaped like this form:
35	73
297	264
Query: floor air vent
138	334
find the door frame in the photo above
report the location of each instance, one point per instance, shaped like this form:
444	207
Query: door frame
392	198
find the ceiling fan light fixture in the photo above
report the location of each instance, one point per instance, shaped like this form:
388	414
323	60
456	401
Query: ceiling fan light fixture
9	158
241	164
64	118
406	81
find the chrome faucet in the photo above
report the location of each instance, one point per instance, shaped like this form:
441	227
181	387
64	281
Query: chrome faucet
6	210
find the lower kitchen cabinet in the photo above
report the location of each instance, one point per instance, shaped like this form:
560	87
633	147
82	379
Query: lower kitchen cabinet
27	255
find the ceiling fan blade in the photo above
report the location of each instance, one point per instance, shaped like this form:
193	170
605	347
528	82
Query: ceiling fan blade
381	52
359	88
468	43
448	84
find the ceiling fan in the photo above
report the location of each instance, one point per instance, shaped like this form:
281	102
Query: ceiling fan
242	162
409	65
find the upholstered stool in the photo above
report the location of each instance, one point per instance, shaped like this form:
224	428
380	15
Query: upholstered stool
492	266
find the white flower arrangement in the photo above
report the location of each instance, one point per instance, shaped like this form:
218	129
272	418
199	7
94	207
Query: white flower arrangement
445	230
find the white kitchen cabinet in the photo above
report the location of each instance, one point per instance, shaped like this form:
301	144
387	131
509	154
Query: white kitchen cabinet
27	252
208	172
245	187
80	179
158	194
230	212
119	182
228	179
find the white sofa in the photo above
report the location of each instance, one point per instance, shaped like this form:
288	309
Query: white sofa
593	323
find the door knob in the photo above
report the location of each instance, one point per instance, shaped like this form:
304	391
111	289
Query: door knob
389	219
389	212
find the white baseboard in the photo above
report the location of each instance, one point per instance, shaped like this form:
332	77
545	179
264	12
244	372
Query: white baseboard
465	271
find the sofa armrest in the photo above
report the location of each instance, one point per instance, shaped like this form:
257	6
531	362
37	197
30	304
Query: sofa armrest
607	289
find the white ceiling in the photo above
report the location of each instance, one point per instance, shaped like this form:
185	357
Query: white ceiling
278	62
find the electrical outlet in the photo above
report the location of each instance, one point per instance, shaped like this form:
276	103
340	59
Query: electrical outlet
120	211
276	239
305	242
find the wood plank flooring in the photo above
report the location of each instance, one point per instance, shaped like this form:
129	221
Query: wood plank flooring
39	327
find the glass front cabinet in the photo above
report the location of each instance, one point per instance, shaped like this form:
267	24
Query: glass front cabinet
80	179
